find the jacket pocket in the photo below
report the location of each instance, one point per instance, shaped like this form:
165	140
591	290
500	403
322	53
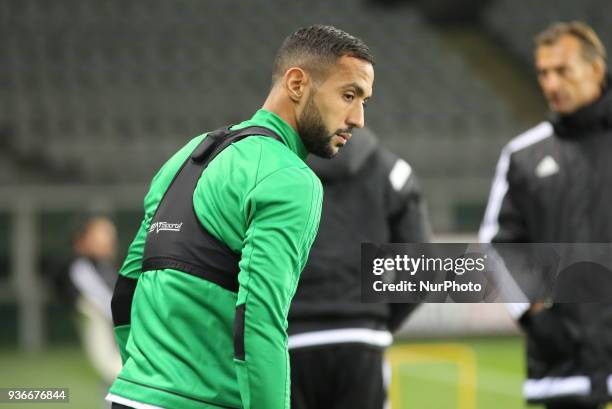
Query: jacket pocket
239	332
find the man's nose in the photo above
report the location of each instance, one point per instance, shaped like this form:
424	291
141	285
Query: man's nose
356	117
550	83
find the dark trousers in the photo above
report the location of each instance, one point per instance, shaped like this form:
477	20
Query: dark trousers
337	376
573	406
120	406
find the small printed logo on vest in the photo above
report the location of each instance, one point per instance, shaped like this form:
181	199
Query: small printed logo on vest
165	226
547	167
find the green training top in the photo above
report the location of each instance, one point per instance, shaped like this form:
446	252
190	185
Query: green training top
178	352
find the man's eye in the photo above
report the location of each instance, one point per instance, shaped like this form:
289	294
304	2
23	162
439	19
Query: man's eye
364	103
349	97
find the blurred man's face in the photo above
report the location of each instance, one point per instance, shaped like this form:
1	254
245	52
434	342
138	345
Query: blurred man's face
99	241
568	81
336	106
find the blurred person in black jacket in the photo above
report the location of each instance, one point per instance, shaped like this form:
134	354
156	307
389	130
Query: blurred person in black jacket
553	184
88	287
336	343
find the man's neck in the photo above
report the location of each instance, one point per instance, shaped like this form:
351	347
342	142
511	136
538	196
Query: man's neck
280	104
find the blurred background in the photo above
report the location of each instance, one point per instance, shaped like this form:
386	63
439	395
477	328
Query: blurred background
96	94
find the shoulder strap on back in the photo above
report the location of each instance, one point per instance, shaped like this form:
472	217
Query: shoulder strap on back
218	140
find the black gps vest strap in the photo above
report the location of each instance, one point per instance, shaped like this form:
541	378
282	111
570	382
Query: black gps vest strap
176	238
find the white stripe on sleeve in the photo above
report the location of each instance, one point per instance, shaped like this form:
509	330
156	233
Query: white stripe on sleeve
93	287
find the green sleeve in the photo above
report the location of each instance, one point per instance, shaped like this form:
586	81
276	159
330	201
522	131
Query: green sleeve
283	214
131	269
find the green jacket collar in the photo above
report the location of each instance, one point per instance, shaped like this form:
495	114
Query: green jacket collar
270	120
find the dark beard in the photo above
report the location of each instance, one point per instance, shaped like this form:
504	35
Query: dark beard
315	135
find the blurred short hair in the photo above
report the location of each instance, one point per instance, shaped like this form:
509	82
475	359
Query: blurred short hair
81	224
591	46
315	49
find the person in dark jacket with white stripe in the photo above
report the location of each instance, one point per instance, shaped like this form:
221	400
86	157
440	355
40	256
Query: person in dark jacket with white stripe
553	184
336	343
87	285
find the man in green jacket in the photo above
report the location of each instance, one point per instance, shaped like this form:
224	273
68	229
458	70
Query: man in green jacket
201	312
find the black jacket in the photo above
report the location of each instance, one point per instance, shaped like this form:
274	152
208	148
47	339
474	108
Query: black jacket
370	195
554	184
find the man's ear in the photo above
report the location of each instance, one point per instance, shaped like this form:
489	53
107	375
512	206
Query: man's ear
295	82
599	68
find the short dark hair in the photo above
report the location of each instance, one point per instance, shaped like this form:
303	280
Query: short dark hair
315	48
590	44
